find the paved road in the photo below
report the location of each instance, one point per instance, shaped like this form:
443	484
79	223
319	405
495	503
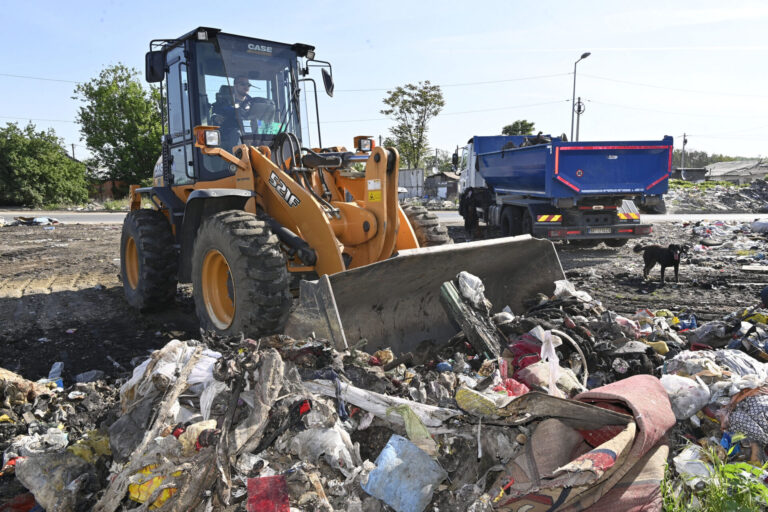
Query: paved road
452	218
67	217
447	217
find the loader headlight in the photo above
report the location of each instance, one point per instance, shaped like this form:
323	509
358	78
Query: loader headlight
212	138
363	143
207	137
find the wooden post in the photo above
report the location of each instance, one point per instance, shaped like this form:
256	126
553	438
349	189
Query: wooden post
479	329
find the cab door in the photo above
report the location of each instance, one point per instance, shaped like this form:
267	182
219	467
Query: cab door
179	118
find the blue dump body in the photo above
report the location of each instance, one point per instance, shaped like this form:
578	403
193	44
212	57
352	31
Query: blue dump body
574	169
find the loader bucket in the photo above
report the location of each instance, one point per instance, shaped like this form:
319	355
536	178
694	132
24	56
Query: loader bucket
396	303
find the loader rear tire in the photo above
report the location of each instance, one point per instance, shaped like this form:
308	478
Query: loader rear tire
148	261
427	227
240	282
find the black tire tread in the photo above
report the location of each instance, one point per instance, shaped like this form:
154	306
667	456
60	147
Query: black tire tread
158	261
427	227
258	271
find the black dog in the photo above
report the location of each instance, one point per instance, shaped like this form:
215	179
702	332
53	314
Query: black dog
664	256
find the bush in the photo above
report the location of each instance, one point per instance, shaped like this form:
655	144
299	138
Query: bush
35	169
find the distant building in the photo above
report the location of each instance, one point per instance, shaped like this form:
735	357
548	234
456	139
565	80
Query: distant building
738	171
412	180
443	185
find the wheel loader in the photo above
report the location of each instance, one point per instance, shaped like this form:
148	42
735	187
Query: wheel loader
245	210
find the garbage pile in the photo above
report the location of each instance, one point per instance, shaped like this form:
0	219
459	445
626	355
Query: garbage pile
556	409
719	198
719	244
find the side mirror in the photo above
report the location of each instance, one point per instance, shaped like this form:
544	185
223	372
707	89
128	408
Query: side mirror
455	159
328	82
155	66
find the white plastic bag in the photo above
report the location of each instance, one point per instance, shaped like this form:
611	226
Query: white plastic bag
564	288
687	396
548	353
472	288
689	465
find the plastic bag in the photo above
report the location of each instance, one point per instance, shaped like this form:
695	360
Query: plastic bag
548	353
688	464
687	396
333	444
472	288
405	477
564	288
56	479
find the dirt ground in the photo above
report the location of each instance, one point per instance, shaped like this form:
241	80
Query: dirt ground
61	298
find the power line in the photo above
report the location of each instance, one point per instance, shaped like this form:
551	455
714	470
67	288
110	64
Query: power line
464	84
40	78
37	119
452	113
708	115
671	88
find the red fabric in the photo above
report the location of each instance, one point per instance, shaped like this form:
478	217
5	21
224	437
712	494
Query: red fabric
268	494
523	353
20	503
649	403
602	435
512	387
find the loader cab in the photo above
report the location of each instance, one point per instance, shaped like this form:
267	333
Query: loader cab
247	87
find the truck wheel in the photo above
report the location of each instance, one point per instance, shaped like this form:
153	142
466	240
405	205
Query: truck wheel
148	261
616	242
429	232
240	282
511	221
527	223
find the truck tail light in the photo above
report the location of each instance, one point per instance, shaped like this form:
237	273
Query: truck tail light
556	233
573	232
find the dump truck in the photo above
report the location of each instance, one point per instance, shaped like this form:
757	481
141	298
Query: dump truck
252	214
582	192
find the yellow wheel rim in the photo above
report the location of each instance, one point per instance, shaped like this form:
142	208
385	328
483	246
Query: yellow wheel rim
131	263
218	289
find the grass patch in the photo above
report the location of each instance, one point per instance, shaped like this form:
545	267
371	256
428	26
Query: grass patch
732	486
123	205
704	185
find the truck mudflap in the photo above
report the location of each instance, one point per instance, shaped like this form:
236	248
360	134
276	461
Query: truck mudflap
396	303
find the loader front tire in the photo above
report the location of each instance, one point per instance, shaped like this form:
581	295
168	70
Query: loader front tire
240	282
427	227
148	261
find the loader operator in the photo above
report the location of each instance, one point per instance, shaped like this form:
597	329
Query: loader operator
240	113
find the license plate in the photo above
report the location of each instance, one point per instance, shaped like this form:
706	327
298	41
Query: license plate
599	231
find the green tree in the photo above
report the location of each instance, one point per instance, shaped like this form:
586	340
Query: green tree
695	158
120	123
519	127
412	107
35	169
442	161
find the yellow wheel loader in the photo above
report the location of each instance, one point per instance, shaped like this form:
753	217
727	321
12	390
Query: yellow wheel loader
246	212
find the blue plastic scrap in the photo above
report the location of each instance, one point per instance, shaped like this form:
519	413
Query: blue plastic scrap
405	476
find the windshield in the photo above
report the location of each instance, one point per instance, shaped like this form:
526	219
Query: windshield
246	89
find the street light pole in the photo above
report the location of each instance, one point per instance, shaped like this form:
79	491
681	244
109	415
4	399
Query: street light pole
573	97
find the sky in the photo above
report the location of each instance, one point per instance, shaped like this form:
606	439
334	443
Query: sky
656	68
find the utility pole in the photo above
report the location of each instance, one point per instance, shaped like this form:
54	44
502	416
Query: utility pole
380	142
573	98
580	107
73	151
682	155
